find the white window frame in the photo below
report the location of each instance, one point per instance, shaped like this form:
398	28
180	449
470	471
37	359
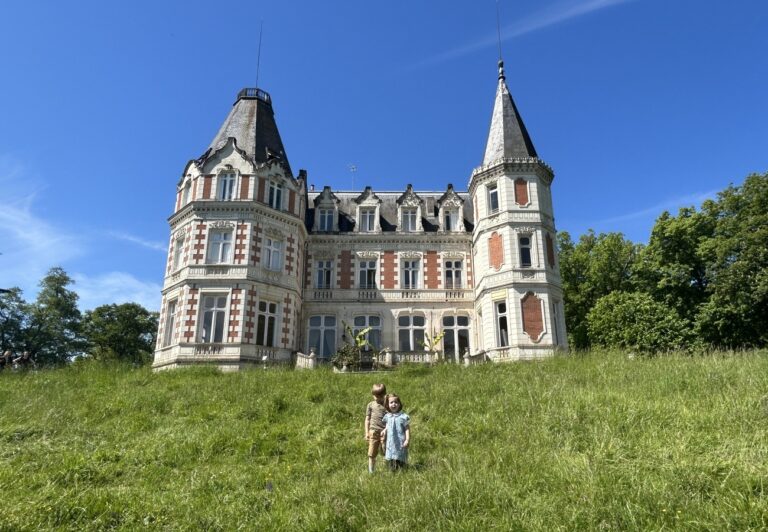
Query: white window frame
367	280
325	220
373	321
415	333
324	274
409	274
225	188
408	219
451	220
273	254
367	219
526	248
186	193
170	322
219	246
325	332
267	318
453	274
493	197
452	332
218	317
178	250
501	319
275	195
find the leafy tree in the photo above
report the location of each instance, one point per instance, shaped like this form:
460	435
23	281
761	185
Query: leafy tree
53	335
13	318
672	268
736	314
633	320
594	267
124	332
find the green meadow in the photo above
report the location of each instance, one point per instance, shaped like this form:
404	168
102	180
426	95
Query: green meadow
599	441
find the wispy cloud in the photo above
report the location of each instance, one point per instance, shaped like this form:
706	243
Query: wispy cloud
654	211
551	15
116	287
149	244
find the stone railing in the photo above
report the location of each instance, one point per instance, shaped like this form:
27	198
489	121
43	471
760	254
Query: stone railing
306	361
389	295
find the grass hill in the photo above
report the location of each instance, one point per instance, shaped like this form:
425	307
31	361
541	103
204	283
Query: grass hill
599	441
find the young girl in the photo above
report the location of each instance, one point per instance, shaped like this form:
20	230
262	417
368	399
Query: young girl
396	434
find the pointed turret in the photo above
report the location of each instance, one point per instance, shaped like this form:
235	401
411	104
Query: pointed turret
507	137
251	122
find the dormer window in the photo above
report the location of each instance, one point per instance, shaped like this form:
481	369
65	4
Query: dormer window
225	190
409	220
450	220
325	220
187	193
367	219
450	208
276	195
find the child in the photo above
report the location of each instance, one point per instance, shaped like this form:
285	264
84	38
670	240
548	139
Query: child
374	423
396	434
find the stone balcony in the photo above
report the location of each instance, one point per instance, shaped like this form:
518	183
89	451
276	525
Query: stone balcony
387	296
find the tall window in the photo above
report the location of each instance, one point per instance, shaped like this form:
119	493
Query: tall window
456	339
273	254
410	274
366	274
178	249
266	324
170	323
450	220
410	333
367	220
493	198
525	251
219	247
326	220
226	187
186	194
275	195
322	335
324	271
374	335
214	310
502	329
409	220
452	272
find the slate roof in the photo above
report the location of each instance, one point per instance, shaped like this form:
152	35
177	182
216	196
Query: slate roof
507	138
348	203
251	122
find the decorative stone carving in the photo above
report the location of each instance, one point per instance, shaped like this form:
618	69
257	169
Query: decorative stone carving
367	254
221	224
274	233
410	255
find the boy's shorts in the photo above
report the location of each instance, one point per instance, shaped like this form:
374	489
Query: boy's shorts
374	443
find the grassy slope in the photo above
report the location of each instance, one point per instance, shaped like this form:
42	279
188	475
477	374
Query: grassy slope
573	443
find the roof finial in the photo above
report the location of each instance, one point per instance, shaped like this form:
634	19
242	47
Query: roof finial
498	33
258	56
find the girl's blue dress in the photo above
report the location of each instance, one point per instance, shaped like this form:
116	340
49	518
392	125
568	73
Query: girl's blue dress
396	424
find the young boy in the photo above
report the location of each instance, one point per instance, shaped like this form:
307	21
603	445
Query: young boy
374	415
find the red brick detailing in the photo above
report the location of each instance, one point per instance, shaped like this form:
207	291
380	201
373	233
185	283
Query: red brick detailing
495	251
194	189
199	244
291	201
550	251
244	184
431	275
234	314
240	243
521	191
345	269
533	321
260	196
289	250
286	320
250	315
189	323
207	180
388	270
255	245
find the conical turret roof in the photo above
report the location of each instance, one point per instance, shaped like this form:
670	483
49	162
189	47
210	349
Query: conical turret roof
507	137
251	122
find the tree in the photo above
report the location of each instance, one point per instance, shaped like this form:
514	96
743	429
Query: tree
736	314
594	267
13	319
53	335
633	320
124	332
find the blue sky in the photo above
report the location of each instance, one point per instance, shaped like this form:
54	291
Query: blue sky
638	105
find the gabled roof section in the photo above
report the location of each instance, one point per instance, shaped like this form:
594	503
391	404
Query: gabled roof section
409	197
368	194
326	196
507	137
450	197
251	123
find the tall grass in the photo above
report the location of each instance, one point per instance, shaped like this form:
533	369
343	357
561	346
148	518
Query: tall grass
583	442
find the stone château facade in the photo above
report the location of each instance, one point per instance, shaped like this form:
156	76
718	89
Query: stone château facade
261	268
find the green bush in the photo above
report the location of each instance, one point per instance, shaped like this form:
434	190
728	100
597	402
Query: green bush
633	320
